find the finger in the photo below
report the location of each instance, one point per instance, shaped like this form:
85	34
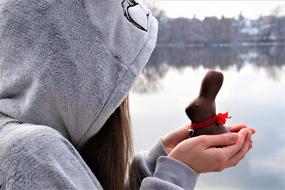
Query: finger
250	144
240	154
225	139
181	133
185	130
173	138
236	128
178	134
231	150
253	130
251	133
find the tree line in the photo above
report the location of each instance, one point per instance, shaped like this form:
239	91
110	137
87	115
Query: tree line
213	31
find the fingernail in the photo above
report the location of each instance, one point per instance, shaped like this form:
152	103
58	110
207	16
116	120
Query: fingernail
233	137
250	145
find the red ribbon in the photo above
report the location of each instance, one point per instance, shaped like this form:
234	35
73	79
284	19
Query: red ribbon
222	118
219	119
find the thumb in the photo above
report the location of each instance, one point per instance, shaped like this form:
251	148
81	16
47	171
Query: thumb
225	139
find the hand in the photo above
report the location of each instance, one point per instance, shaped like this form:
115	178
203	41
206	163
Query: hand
208	153
178	135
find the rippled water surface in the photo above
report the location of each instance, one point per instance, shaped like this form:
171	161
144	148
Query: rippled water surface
253	92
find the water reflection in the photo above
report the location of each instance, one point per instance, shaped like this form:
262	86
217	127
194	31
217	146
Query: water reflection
272	58
253	92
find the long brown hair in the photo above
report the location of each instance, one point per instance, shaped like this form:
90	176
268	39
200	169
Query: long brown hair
108	152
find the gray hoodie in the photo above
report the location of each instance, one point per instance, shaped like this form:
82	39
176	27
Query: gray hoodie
65	65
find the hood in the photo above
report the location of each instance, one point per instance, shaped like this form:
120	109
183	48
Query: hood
68	64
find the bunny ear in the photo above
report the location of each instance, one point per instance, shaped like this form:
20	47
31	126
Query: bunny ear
211	84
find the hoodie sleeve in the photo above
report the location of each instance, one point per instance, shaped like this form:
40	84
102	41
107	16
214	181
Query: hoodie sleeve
38	157
154	170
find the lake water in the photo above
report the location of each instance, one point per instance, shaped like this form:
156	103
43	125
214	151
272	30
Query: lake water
253	93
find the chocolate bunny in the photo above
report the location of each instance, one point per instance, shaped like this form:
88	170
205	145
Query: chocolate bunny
202	110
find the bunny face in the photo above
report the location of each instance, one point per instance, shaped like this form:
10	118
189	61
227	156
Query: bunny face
200	109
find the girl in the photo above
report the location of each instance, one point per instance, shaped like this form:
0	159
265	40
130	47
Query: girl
66	68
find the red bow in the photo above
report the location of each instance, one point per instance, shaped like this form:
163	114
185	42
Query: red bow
222	118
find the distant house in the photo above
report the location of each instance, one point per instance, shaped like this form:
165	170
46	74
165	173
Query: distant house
267	27
247	26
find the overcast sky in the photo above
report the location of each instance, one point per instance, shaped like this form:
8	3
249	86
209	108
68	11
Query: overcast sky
229	8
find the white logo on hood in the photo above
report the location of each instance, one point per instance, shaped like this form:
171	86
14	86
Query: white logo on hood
136	13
